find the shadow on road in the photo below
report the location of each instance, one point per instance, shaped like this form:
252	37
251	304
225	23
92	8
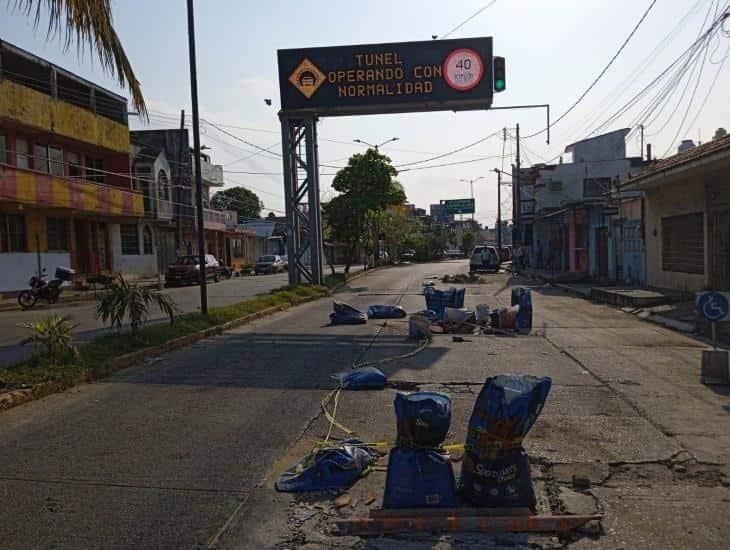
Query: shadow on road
273	360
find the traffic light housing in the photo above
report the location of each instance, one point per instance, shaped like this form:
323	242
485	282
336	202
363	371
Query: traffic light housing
500	76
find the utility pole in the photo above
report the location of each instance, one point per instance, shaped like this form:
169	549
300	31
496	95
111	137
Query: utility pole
198	173
178	195
641	149
499	211
516	195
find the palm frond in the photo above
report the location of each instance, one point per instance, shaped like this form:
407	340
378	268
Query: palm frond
89	22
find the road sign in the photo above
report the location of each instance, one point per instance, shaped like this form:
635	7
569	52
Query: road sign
714	306
387	78
459	206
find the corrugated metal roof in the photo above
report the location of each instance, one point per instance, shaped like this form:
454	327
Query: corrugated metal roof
685	157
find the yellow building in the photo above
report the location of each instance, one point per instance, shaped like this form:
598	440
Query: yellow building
687	217
66	197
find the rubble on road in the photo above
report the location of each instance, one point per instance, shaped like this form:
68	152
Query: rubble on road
463	278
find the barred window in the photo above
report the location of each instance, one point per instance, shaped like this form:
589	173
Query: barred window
147	246
683	243
12	233
130	239
57	234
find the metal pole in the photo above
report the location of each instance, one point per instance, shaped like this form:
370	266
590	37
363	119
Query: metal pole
178	195
471	186
291	248
516	194
714	335
499	212
198	173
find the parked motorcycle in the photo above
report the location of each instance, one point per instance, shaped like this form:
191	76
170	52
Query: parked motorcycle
42	289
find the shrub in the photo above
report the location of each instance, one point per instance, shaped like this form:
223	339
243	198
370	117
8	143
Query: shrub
123	300
53	336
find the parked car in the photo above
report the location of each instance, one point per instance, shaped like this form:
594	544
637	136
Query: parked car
408	254
484	258
453	253
186	270
271	263
506	254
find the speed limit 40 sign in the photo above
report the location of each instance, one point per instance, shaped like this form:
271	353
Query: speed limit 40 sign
463	69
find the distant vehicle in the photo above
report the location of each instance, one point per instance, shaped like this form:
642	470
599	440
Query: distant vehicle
408	254
506	254
186	270
285	259
484	258
453	253
271	263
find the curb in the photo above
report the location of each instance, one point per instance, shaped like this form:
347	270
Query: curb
21	396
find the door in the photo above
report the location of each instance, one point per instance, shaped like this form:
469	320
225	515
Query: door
719	232
81	232
602	252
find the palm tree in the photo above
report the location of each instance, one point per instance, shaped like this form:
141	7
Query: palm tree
90	22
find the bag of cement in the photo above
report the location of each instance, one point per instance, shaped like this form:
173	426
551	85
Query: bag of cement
419	478
504	318
423	419
522	297
496	470
364	378
328	469
386	312
345	314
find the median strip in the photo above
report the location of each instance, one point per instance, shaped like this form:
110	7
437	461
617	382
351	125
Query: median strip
36	378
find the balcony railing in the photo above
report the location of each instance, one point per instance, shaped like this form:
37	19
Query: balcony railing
212	173
43	190
214	219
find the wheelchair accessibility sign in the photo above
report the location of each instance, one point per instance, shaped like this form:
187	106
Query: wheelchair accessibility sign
714	306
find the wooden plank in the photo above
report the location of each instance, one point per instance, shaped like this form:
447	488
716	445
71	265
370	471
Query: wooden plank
457	512
479	524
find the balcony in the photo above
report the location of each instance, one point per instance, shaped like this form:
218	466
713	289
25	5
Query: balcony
212	173
33	188
158	209
214	219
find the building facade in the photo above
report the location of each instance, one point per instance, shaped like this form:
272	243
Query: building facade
66	195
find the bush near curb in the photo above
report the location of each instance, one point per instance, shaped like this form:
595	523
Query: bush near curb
110	352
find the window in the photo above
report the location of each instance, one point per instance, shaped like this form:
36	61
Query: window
147	240
40	158
596	187
683	243
4	153
163	186
22	160
130	239
12	233
57	234
237	248
75	170
94	170
55	156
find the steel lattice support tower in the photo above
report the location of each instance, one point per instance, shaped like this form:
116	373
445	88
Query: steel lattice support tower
301	193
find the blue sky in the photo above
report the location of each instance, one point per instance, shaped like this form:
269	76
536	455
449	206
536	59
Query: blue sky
554	49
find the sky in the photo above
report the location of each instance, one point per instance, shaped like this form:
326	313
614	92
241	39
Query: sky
554	49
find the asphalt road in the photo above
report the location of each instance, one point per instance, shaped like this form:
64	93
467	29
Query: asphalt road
83	313
181	453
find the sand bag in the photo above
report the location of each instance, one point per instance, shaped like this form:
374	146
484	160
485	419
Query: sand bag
419	478
423	419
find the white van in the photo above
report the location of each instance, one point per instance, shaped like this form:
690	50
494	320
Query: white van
484	258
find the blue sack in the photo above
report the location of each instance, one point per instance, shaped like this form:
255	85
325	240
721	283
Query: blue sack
419	478
423	419
523	297
345	314
438	300
327	469
364	378
386	312
496	471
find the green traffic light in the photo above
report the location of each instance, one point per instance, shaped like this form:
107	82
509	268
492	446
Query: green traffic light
499	84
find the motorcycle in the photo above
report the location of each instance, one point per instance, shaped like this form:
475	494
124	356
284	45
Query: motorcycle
42	289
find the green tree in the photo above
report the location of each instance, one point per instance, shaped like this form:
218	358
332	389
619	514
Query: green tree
88	23
367	186
468	240
244	201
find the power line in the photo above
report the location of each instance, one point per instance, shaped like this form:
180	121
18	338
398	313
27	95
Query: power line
472	16
600	75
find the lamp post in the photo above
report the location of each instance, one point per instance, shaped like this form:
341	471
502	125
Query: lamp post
471	189
499	206
378	146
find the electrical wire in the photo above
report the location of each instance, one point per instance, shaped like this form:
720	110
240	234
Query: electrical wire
472	16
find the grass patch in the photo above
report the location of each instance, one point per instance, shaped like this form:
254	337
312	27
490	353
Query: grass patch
94	354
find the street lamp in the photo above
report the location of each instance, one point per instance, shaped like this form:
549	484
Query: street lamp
499	206
376	147
471	187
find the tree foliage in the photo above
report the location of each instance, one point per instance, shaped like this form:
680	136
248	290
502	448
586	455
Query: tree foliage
88	22
244	201
468	240
367	186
